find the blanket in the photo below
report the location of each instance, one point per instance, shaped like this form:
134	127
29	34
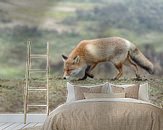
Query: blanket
105	114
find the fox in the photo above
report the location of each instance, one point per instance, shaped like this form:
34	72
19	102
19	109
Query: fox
119	51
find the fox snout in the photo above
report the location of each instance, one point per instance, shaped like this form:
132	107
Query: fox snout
65	77
72	73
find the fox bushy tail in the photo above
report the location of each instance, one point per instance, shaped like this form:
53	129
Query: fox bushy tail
137	56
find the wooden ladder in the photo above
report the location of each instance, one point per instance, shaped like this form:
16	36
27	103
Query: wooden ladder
29	72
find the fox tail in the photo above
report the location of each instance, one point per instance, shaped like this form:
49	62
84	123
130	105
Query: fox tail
138	57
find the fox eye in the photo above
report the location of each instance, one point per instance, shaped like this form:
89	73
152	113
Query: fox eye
69	70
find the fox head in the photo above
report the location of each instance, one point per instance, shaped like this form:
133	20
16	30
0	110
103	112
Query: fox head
72	66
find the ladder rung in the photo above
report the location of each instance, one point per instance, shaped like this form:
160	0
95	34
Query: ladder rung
38	56
36	105
38	70
37	89
38	80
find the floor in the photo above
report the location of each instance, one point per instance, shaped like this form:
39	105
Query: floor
17	126
14	121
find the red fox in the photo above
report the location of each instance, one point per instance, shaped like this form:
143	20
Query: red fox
88	53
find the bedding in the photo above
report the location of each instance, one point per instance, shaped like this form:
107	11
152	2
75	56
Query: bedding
103	95
105	114
76	92
143	92
131	91
137	91
79	91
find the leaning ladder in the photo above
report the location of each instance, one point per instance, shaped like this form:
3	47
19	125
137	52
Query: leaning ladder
29	88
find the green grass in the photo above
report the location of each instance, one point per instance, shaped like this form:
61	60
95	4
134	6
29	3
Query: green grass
10	72
78	5
59	15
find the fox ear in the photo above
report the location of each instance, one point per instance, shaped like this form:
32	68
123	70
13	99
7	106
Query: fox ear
64	58
76	59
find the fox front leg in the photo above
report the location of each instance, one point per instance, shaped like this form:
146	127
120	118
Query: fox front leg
87	72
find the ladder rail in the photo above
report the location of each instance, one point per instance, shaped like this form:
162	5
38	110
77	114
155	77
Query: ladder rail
28	58
27	81
47	75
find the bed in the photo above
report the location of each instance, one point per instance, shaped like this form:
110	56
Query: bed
98	112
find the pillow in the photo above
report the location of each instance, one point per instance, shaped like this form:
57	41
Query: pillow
143	92
70	93
106	88
76	92
104	95
132	90
79	91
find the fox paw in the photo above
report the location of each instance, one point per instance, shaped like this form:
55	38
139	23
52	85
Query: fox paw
83	78
91	75
113	79
138	76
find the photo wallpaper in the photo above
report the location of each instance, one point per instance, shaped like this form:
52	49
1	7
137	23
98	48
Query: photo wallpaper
66	23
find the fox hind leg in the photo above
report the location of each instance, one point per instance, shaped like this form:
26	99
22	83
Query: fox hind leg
120	71
135	68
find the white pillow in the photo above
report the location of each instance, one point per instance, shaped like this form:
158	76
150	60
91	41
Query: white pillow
131	90
71	92
143	92
121	85
106	88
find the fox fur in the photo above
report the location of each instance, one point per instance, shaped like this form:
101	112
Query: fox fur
88	53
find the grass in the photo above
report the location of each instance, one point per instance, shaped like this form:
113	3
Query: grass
9	72
11	92
78	5
59	15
